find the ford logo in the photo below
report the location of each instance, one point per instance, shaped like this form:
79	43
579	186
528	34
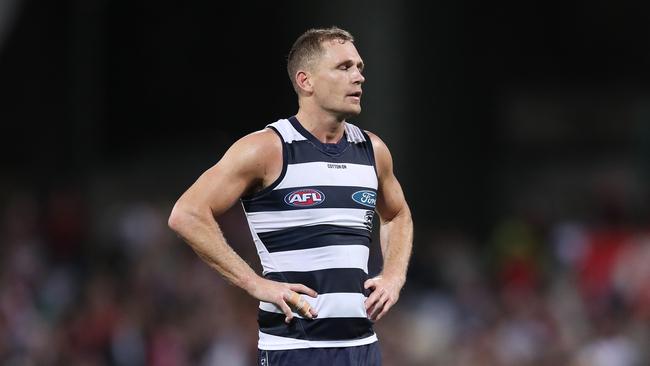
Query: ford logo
366	198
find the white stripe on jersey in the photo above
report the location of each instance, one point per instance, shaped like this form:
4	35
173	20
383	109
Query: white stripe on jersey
318	174
266	221
272	343
354	133
332	305
289	134
314	259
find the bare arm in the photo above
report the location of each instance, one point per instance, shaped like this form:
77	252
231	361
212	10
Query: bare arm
396	235
244	167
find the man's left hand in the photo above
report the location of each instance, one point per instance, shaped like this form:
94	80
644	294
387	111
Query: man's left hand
385	293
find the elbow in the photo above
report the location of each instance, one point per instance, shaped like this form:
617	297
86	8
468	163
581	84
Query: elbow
175	219
186	217
179	218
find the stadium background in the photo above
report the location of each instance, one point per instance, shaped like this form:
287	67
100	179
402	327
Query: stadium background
520	133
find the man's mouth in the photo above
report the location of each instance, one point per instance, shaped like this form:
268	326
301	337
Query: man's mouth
356	96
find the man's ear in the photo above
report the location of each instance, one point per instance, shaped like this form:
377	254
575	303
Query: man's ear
303	79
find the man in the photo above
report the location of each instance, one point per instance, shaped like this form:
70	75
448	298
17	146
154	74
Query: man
309	186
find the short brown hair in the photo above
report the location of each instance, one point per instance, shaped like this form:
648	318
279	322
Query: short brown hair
309	45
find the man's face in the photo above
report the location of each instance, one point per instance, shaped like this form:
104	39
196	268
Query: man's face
337	78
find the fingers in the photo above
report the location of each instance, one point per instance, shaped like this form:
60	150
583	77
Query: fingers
286	310
307	311
369	284
300	305
389	303
373	298
378	305
300	288
313	312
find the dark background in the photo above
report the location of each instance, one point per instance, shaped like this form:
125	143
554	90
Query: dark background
87	84
531	115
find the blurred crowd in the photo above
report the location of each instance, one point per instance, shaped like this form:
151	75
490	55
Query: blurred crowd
85	281
569	294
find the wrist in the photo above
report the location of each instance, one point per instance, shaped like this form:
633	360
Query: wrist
397	278
250	283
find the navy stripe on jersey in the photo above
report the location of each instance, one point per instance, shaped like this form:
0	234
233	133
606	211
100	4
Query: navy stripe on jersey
334	149
304	152
331	329
326	281
316	236
334	197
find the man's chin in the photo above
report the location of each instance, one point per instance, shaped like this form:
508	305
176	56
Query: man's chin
347	113
352	112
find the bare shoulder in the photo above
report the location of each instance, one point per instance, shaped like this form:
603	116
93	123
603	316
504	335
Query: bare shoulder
255	149
262	141
256	157
383	158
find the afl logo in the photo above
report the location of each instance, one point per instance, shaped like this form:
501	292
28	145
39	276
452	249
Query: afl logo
304	198
366	198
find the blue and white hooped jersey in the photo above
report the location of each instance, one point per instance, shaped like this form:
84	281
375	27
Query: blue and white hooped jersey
313	226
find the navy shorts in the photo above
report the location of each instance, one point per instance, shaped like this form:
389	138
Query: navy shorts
367	355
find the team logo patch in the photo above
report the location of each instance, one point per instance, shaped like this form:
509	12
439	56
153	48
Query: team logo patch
366	198
304	198
367	218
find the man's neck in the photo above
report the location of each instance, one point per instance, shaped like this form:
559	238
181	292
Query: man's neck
325	127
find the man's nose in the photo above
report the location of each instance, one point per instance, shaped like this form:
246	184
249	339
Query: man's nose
358	77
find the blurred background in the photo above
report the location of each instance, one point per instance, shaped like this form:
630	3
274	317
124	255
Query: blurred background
520	133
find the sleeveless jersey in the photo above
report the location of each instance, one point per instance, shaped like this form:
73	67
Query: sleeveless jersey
313	226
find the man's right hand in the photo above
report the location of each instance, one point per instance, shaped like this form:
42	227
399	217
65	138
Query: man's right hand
285	296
